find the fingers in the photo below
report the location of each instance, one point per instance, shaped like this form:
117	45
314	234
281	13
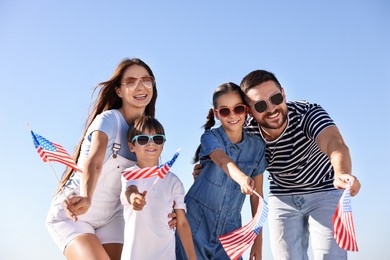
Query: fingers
139	201
341	182
197	169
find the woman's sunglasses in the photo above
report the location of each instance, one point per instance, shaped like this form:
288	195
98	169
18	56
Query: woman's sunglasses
261	106
225	111
145	139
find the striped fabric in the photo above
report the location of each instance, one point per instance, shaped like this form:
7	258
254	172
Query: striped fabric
295	163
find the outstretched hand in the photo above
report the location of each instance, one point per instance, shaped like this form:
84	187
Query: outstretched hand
341	182
247	185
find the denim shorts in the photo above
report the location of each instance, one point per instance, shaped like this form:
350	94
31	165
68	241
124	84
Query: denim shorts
293	217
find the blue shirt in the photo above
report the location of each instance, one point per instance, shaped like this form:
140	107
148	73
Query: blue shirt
217	192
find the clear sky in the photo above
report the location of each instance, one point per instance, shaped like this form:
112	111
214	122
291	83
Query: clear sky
52	54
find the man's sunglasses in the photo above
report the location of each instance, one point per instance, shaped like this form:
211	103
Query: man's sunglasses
145	139
225	111
261	106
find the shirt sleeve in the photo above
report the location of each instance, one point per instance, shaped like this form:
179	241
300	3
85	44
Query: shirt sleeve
106	123
178	194
315	120
209	142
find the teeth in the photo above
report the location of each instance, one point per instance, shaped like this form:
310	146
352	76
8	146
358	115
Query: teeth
140	96
274	115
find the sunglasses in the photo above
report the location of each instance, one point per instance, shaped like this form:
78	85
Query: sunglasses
145	139
261	106
225	111
131	82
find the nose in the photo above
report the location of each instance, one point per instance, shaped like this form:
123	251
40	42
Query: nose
140	84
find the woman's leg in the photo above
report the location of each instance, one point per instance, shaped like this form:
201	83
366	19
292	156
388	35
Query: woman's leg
86	246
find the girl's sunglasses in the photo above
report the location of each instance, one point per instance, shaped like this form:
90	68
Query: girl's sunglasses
145	139
225	111
261	106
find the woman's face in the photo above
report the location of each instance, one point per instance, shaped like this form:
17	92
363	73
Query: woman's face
136	89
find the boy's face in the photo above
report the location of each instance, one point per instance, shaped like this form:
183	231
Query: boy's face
149	153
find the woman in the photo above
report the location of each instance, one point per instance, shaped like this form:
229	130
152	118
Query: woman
89	225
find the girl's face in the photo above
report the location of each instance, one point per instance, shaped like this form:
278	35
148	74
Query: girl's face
235	120
137	95
150	152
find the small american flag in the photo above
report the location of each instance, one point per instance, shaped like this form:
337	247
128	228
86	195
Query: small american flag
236	242
343	228
52	152
160	171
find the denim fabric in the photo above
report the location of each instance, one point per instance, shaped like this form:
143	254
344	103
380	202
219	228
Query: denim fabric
214	201
293	217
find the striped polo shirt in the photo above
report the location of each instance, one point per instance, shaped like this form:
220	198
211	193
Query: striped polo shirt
296	165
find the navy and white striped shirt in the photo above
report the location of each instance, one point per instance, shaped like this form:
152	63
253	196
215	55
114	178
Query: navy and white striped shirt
295	163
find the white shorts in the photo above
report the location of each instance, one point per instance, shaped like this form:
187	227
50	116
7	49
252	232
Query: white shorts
108	228
105	216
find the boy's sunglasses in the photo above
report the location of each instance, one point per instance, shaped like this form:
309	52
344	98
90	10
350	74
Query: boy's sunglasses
145	139
225	111
261	106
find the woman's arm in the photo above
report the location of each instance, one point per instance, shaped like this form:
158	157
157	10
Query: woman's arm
184	231
79	205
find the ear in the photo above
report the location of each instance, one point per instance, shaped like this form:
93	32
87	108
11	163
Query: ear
216	114
131	146
118	92
249	111
284	95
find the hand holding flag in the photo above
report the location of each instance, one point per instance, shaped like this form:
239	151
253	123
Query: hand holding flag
236	242
50	151
160	171
343	227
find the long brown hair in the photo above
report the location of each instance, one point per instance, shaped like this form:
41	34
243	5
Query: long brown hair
108	99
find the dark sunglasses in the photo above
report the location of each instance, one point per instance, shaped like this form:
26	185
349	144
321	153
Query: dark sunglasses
225	111
145	139
261	106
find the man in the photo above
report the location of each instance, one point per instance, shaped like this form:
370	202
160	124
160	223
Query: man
308	163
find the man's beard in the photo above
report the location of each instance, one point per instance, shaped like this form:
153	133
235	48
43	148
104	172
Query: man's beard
274	126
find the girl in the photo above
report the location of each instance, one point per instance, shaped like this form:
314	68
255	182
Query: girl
230	158
147	235
90	225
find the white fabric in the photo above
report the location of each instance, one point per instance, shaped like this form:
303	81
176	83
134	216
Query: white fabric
147	233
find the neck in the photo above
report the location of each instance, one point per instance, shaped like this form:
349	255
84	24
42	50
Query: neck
234	136
147	163
269	134
130	115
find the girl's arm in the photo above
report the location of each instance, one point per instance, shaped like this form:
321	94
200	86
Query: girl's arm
257	247
78	205
221	159
184	231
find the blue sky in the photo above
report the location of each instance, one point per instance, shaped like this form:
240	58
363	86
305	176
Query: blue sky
52	54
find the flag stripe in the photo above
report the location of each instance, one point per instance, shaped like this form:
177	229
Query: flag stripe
147	172
236	242
343	226
52	152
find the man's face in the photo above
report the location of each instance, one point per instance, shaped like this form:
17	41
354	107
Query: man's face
268	105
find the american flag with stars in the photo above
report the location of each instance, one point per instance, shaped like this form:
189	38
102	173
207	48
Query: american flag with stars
236	242
160	171
52	152
343	227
